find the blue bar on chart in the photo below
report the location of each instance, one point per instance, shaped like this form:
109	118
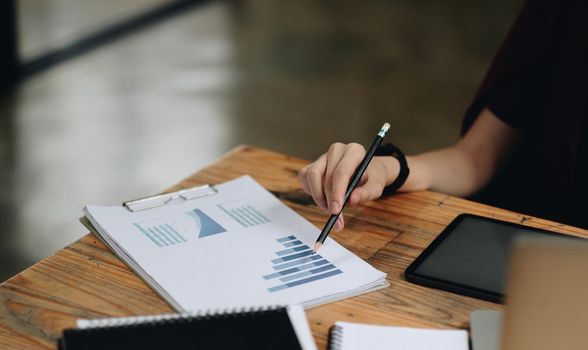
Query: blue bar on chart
292	250
286	239
296	269
298	265
303	281
297	262
291	244
293	256
162	235
244	214
308	273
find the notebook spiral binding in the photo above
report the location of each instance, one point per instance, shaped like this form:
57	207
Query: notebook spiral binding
173	318
336	338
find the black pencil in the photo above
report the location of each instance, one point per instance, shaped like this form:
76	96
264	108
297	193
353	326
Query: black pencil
352	184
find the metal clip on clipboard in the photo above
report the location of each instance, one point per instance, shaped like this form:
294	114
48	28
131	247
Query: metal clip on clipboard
169	198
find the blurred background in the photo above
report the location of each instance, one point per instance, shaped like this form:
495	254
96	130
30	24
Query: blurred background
104	101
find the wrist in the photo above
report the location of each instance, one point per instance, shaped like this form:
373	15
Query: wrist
397	170
419	178
391	168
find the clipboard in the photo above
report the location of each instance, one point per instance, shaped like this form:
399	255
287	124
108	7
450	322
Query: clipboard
151	202
193	253
159	200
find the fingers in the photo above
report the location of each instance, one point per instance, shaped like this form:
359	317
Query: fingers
342	174
372	183
334	155
311	178
339	224
302	178
327	178
371	190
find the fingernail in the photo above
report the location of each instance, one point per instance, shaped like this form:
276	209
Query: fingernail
335	207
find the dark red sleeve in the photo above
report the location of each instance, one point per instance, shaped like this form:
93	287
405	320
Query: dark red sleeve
514	84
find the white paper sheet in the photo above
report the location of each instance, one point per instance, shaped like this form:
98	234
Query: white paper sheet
354	336
240	247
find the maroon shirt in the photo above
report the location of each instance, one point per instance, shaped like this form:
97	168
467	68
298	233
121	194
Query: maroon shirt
538	84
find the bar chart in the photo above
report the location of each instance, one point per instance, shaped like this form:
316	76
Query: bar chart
179	228
244	214
162	235
297	264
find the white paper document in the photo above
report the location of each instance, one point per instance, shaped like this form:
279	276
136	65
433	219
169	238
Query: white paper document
239	247
355	336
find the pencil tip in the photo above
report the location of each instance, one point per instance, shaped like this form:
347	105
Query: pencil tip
316	247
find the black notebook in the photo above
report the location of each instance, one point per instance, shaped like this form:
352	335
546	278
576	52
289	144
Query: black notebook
274	328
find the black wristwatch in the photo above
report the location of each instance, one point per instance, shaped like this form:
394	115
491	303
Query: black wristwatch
391	150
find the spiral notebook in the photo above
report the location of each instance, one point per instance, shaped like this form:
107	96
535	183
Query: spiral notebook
354	336
267	328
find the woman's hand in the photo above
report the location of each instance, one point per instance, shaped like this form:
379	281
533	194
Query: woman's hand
327	178
458	170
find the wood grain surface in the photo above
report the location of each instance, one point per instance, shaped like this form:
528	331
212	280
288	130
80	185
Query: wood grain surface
85	280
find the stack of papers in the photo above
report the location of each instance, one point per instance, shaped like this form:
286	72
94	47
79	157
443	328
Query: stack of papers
237	248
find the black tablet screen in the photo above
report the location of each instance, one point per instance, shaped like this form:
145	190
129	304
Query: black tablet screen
473	253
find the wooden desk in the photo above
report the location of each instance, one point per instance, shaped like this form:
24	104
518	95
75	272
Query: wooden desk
85	280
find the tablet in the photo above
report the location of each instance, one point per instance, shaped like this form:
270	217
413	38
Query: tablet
470	256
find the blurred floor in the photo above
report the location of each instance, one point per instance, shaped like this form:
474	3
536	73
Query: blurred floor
138	115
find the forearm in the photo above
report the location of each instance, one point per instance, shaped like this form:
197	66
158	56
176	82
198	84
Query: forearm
459	170
449	170
465	168
445	170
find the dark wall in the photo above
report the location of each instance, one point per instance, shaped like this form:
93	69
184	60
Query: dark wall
8	46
